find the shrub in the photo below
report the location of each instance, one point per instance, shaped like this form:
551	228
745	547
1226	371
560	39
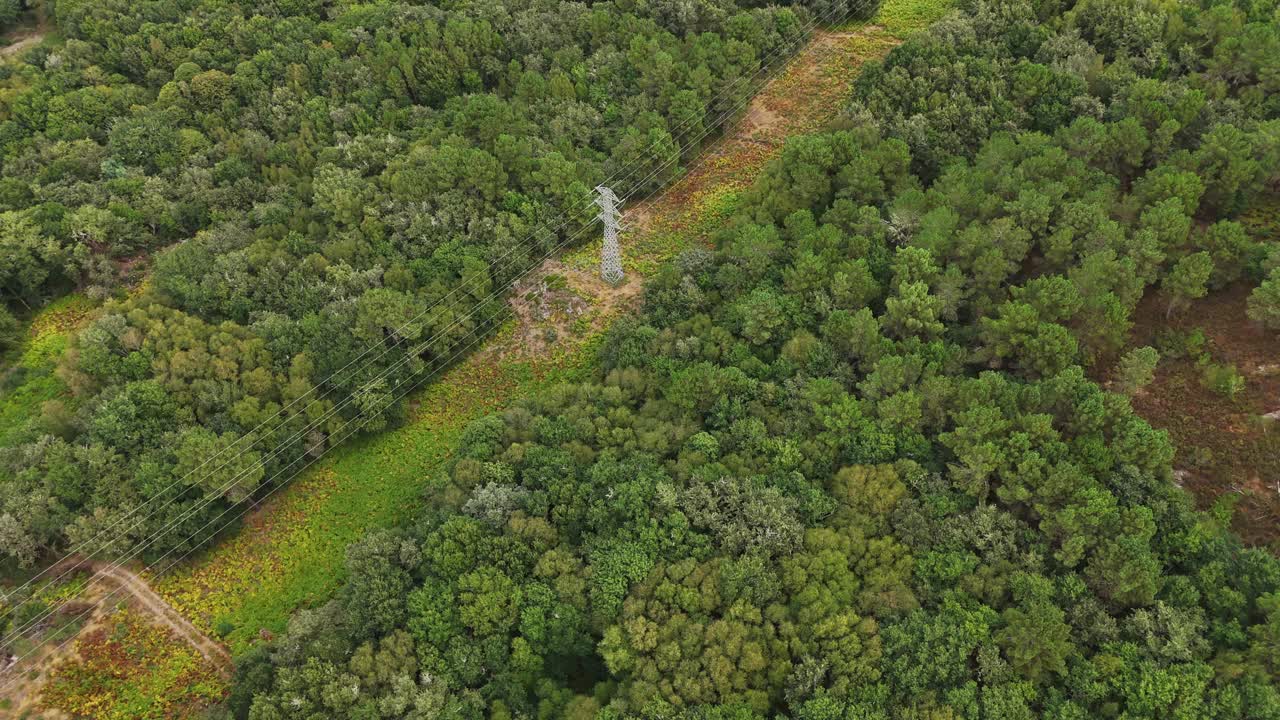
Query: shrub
1136	369
1183	345
1223	379
1264	302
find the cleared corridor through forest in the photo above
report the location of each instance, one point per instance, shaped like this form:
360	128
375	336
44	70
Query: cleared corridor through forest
289	553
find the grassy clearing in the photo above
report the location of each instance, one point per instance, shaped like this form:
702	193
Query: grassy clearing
129	669
290	553
903	17
1219	375
30	381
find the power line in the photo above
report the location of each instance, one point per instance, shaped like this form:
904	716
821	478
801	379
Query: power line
354	423
208	500
399	334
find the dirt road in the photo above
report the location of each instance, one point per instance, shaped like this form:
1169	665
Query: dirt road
212	650
27	36
21	44
108	586
130	583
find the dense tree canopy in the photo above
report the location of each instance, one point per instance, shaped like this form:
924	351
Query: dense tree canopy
331	199
849	464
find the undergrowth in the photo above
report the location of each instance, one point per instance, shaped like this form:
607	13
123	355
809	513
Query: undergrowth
28	380
132	670
904	17
290	555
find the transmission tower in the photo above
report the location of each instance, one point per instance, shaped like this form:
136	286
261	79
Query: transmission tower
611	255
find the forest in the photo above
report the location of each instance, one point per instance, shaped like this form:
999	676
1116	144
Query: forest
290	214
872	453
856	461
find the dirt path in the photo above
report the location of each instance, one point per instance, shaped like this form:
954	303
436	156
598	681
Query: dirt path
27	37
107	587
23	682
140	592
131	582
22	44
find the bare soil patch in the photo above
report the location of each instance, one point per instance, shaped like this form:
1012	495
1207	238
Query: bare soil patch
555	302
110	587
20	44
1226	447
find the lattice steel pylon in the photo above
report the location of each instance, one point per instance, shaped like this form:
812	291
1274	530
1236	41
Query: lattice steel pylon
611	254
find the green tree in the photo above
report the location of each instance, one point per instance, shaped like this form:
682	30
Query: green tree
1036	640
1136	369
378	582
1264	302
1230	247
932	651
27	257
912	312
1188	280
10	329
10	11
225	464
1125	571
679	641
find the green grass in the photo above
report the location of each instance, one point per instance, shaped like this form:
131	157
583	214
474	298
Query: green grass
291	556
904	17
29	381
255	580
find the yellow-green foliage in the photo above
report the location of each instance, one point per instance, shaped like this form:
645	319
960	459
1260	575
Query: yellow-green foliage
30	381
133	670
903	17
293	555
